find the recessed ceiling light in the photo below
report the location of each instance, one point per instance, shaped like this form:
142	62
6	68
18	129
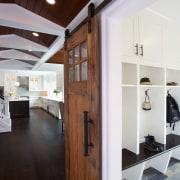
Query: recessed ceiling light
51	1
35	34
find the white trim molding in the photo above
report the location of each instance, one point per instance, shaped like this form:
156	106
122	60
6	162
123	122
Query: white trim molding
111	83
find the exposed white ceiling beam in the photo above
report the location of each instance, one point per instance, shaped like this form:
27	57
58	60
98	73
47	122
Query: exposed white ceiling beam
14	64
55	47
15	54
12	15
17	42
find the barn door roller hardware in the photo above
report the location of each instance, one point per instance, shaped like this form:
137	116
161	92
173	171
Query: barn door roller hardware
91	12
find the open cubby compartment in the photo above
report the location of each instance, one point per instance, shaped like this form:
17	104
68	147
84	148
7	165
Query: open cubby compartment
129	119
152	173
174	160
175	93
134	172
153	122
159	162
129	74
173	75
134	165
155	74
176	153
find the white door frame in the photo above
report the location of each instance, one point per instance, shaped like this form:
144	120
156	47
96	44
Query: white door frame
111	83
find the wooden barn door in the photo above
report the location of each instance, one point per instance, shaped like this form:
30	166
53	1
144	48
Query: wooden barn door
82	106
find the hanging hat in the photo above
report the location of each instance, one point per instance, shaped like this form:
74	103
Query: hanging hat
145	81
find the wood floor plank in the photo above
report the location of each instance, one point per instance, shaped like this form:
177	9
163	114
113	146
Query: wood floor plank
34	150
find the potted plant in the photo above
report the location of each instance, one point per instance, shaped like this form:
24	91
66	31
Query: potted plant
10	93
56	92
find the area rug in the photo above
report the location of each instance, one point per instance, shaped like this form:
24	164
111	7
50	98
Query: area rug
153	174
173	170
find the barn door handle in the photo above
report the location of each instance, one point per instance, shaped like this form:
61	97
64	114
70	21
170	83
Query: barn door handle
86	134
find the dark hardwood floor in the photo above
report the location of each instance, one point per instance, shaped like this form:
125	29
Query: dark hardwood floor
34	150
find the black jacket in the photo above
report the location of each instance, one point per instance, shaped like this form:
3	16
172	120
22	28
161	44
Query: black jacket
173	114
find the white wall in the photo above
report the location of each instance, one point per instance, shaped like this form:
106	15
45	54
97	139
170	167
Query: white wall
111	79
51	80
60	78
1	79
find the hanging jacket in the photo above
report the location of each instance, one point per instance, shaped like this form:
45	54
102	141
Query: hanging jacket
173	114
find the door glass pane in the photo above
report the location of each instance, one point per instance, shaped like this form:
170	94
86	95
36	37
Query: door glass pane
84	71
77	73
70	74
76	53
84	50
70	59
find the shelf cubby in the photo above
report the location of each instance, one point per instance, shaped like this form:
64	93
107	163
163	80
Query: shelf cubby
152	73
133	165
173	75
129	116
129	74
151	120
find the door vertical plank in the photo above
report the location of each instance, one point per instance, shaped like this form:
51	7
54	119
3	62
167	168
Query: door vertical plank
93	91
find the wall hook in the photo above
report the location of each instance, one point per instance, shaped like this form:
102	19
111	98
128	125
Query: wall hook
168	91
146	92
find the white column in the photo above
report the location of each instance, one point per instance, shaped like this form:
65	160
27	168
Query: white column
111	83
111	101
6	107
1	106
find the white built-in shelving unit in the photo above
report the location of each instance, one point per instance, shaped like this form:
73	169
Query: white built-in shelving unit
135	120
144	53
138	123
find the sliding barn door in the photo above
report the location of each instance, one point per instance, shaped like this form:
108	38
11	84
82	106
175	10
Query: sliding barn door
82	107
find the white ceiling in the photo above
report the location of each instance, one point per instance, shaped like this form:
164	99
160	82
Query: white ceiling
167	9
